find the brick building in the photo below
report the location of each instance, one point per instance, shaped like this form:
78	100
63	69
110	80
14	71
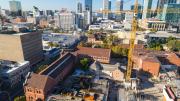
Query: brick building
110	71
43	23
38	86
97	54
153	61
19	20
94	39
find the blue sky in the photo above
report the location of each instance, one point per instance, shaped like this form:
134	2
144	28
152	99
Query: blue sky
58	4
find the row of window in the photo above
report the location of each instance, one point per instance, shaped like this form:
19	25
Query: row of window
36	91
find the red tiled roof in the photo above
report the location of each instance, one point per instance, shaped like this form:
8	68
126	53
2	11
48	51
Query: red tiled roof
151	59
173	58
99	52
40	81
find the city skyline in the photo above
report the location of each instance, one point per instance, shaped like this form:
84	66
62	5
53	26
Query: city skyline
57	5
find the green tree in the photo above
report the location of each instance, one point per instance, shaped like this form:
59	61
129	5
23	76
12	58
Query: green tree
101	30
170	38
51	44
155	45
84	62
56	45
20	98
118	51
90	31
56	30
173	45
110	39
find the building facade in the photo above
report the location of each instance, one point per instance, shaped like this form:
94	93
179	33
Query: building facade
106	9
95	54
171	13
79	7
15	8
43	23
119	7
12	73
37	87
140	8
146	9
88	8
153	24
65	20
19	20
21	47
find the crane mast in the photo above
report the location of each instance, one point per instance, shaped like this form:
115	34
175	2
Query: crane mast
132	43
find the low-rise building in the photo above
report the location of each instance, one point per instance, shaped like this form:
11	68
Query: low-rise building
12	73
43	23
160	36
96	54
154	61
125	36
153	24
64	41
95	27
19	20
39	86
94	39
111	71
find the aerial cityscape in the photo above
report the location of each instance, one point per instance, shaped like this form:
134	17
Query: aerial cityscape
89	50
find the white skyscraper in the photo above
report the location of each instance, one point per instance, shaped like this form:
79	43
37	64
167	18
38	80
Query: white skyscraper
106	9
146	9
65	20
15	7
119	7
79	7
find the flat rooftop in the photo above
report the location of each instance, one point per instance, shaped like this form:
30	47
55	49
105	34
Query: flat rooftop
164	34
9	66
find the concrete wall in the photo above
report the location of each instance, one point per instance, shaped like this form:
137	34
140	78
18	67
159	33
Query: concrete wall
151	67
10	48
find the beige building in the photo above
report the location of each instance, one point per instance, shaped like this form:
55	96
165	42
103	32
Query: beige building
43	23
111	71
21	47
153	24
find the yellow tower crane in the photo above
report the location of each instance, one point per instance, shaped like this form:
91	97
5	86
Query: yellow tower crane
132	41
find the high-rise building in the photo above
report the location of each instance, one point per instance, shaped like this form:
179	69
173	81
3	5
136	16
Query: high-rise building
87	17
79	7
171	13
65	20
146	9
88	7
80	21
139	16
106	9
161	3
0	10
21	47
109	5
178	1
119	7
49	13
15	8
